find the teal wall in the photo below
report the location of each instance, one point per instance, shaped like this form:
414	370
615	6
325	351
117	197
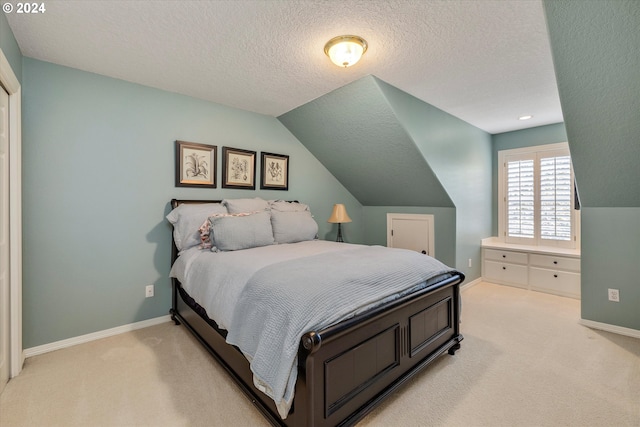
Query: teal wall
460	156
9	47
610	255
541	135
98	173
375	224
596	51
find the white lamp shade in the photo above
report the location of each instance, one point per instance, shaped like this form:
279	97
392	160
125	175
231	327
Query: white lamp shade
339	214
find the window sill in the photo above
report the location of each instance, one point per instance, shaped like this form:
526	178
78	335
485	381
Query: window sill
496	243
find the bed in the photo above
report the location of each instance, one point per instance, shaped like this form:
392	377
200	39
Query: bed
352	356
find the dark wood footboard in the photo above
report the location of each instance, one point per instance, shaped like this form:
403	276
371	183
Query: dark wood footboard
353	366
347	369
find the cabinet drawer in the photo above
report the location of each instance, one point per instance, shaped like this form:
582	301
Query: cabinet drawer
556	282
505	256
555	262
509	274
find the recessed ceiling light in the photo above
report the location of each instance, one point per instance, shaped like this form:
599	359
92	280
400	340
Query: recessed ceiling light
527	117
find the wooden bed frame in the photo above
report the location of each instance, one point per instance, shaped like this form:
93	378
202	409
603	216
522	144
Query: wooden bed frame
345	370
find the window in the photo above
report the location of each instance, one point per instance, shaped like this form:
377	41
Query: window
536	196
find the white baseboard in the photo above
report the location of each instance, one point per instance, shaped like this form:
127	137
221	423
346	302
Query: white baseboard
471	284
45	348
610	328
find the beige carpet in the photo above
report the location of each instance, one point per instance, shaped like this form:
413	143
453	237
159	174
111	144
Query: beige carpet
525	361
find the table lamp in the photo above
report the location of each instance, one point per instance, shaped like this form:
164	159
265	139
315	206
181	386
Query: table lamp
339	215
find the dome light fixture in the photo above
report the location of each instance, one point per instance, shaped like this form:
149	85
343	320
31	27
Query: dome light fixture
344	51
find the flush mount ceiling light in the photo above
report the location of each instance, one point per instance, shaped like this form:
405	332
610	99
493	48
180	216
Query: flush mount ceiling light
527	117
344	51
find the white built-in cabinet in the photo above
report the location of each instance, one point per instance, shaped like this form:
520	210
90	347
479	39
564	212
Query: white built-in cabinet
551	270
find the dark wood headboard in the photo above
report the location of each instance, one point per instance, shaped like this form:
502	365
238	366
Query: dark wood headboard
177	202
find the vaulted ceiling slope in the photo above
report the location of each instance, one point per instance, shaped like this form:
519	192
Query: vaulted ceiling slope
354	132
596	49
389	148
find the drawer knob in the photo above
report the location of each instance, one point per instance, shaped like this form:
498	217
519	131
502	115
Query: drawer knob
504	256
555	262
555	275
504	268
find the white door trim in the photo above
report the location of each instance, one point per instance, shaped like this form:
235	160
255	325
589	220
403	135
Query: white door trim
13	87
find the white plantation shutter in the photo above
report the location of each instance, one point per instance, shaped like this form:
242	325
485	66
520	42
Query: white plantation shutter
520	198
556	193
537	195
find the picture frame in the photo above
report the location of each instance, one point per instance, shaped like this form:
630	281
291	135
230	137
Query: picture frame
274	171
239	168
196	164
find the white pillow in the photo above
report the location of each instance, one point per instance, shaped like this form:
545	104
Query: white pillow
187	219
291	227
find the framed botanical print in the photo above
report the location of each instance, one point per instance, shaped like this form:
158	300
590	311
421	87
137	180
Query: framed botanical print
239	168
196	164
275	172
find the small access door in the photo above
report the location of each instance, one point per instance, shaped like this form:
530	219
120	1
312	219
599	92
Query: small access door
411	231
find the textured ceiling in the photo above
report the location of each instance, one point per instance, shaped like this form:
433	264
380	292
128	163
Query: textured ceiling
486	62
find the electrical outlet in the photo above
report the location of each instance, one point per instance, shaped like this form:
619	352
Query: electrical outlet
614	295
148	291
469	262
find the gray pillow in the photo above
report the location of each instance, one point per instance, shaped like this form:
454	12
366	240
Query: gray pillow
232	233
291	227
187	219
245	205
